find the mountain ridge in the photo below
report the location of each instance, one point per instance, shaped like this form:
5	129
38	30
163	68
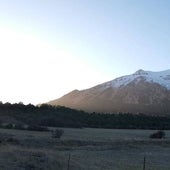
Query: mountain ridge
140	92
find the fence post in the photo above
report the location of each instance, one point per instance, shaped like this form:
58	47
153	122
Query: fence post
68	167
144	162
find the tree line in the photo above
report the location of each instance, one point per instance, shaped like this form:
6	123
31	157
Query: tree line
59	116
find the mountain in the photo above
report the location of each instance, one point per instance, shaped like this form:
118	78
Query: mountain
142	92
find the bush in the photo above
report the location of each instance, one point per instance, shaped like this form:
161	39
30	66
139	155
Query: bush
12	140
37	128
19	127
158	135
57	133
26	127
8	126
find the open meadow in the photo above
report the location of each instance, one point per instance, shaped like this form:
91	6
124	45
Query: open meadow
89	149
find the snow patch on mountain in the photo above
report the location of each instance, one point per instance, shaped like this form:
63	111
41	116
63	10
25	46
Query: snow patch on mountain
162	78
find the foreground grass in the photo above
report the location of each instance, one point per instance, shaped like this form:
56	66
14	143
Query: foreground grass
90	149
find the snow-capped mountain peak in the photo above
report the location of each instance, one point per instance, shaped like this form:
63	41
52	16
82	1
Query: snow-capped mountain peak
141	92
162	78
141	72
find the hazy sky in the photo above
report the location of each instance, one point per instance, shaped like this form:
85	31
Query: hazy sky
51	47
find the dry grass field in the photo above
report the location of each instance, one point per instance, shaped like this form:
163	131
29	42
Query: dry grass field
90	149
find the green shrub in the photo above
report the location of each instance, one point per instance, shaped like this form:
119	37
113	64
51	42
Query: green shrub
36	128
158	135
8	126
57	133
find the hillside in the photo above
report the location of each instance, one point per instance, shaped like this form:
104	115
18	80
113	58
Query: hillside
142	92
46	115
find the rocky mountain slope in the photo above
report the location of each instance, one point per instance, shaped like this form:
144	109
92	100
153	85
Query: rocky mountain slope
142	92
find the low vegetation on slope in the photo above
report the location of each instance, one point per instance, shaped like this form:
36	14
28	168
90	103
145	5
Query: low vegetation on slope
46	115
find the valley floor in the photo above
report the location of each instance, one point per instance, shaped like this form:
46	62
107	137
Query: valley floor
89	149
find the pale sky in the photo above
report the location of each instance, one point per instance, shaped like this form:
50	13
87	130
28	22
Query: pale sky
51	47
